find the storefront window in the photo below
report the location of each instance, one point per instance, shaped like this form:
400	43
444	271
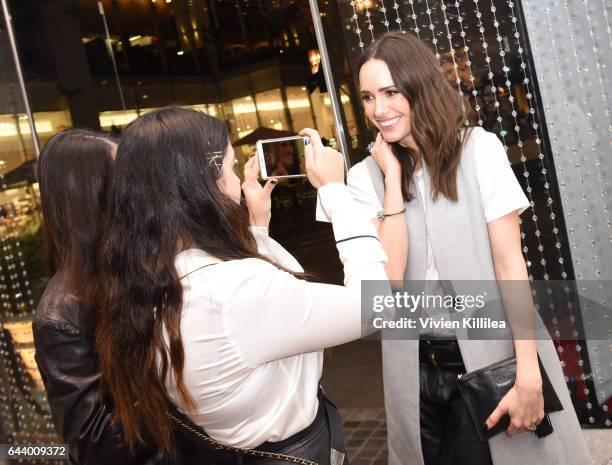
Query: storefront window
272	111
245	115
300	108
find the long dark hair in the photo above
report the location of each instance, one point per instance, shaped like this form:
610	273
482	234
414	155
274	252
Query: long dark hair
163	196
436	110
73	171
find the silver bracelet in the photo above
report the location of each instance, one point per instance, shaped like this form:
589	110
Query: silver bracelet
382	215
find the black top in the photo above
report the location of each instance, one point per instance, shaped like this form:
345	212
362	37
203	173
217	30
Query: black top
70	371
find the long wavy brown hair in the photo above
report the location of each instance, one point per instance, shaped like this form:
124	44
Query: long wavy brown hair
163	197
73	171
436	116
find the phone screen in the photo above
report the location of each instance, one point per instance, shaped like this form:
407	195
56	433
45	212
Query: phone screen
284	157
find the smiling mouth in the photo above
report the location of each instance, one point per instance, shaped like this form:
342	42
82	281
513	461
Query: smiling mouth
388	122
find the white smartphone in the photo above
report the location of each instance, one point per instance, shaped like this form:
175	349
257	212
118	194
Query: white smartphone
282	157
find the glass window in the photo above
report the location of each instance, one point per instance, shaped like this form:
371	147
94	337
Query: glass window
271	109
302	114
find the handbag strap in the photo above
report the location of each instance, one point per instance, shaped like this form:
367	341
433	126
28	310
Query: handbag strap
254	452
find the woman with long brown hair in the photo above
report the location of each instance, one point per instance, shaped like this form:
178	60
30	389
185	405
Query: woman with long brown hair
204	316
73	171
446	205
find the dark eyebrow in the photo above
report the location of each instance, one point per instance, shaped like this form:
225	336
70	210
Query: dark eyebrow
382	89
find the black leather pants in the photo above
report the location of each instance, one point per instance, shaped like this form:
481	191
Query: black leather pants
314	443
448	436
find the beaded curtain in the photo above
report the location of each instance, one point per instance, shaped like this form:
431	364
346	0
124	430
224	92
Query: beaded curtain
572	49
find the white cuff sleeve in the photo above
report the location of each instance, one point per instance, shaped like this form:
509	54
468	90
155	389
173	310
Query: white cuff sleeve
356	236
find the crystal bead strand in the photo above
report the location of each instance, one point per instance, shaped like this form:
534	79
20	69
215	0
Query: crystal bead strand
540	155
7	393
605	13
488	61
598	65
594	152
18	268
544	172
368	15
398	20
466	49
520	144
413	15
604	98
536	127
577	165
357	28
383	10
490	75
566	98
452	52
434	41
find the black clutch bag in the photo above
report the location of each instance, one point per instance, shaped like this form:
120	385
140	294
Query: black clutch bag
482	390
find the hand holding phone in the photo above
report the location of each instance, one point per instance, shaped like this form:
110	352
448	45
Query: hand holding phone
324	165
256	196
282	157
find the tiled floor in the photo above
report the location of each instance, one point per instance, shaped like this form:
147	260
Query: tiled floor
366	436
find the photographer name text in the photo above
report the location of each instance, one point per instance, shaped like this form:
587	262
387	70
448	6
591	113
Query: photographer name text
433	323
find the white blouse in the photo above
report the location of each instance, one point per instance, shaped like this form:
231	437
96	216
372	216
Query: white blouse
253	334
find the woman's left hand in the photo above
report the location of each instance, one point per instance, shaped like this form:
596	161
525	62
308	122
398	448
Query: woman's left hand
524	403
387	161
257	198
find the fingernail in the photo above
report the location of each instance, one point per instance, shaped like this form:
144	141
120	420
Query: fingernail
274	181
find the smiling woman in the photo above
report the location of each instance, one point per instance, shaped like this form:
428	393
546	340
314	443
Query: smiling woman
413	108
446	204
390	114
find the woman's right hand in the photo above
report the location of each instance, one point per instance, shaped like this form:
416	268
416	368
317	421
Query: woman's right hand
387	161
257	198
324	165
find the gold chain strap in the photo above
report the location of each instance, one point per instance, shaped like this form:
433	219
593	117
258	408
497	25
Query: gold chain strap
238	450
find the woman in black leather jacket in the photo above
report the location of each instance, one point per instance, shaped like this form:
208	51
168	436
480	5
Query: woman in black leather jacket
73	169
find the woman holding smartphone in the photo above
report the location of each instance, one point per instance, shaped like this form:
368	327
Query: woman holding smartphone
200	306
446	205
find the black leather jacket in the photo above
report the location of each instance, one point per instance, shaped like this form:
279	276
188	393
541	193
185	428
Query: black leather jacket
69	369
